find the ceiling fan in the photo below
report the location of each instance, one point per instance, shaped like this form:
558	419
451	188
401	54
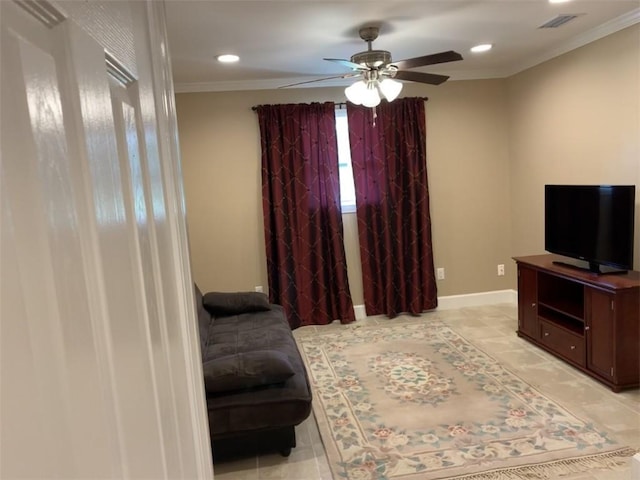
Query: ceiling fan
380	73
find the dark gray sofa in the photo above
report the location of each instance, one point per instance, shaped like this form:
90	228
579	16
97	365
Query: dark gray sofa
255	381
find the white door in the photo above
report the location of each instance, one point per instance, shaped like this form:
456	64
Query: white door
100	364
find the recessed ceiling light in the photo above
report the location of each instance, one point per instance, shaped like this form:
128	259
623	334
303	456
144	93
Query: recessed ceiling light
227	58
559	1
481	48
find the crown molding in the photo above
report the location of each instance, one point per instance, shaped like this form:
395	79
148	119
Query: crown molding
275	84
601	31
268	84
478	74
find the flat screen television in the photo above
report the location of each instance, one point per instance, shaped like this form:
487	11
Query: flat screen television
591	223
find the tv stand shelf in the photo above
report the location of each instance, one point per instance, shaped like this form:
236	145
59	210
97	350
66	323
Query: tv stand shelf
589	320
565	310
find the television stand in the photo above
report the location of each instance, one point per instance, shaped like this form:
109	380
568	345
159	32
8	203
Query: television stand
589	267
589	320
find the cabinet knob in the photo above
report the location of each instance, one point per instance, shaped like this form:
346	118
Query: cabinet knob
573	347
533	305
546	334
587	327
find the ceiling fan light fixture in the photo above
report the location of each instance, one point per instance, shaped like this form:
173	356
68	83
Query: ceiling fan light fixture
371	97
379	73
356	92
390	88
363	92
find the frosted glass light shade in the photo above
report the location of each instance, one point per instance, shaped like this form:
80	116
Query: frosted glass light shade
390	88
367	93
356	92
363	93
371	98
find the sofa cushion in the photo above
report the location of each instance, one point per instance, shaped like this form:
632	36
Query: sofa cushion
246	370
235	303
249	332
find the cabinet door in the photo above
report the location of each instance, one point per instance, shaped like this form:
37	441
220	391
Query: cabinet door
527	302
599	330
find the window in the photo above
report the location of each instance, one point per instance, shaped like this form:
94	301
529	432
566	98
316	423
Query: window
347	189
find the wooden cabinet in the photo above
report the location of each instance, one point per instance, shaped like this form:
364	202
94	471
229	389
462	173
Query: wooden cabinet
590	321
527	306
599	332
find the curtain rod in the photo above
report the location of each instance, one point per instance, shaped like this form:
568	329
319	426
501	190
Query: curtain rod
342	105
337	104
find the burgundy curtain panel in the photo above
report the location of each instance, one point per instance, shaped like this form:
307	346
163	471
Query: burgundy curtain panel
306	261
388	154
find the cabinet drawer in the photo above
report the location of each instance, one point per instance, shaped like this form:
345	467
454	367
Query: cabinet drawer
566	344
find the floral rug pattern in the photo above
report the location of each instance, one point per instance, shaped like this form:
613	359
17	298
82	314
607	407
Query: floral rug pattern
421	402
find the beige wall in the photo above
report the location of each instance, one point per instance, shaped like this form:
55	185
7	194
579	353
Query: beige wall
468	178
491	146
576	120
468	167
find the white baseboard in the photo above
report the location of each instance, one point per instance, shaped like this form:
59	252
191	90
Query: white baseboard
360	312
459	301
477	299
635	467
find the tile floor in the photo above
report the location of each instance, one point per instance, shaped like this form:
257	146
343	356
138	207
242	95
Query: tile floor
492	328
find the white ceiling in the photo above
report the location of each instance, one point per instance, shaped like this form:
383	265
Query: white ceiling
282	42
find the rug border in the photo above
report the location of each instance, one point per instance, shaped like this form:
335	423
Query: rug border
615	458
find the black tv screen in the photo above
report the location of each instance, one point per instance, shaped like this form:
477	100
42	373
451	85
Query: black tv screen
593	223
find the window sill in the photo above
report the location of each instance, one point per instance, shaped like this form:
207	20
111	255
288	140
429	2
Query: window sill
348	208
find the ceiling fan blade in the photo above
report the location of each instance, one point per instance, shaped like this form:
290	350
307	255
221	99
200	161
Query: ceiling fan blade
430	78
442	57
346	63
320	80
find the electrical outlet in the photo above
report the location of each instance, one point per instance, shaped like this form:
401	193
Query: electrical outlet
258	288
501	270
440	273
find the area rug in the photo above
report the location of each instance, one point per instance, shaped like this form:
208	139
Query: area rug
419	401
